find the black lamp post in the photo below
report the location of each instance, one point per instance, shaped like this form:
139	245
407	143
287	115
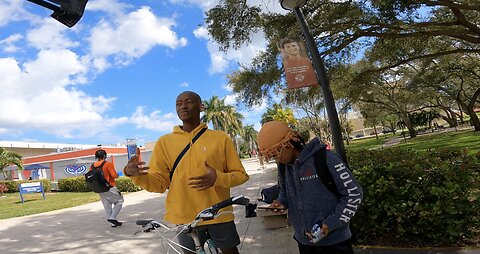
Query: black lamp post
67	12
295	5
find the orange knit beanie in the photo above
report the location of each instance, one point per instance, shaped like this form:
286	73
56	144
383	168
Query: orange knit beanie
274	136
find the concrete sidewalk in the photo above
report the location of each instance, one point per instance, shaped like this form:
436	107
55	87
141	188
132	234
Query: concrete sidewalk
83	229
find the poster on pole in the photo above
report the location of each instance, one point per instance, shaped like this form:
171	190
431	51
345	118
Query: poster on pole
296	63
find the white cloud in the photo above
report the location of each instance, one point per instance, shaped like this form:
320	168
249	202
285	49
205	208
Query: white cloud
8	44
260	108
220	60
201	33
231	99
228	87
113	7
12	10
133	36
50	35
40	94
154	121
257	126
253	114
204	4
265	5
254	111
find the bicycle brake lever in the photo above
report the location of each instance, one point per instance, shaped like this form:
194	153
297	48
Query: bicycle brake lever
206	215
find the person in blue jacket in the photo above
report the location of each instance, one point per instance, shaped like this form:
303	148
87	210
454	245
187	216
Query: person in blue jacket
319	216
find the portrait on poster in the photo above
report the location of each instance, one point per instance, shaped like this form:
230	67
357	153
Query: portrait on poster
296	63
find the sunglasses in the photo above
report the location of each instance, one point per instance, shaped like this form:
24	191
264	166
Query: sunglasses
278	151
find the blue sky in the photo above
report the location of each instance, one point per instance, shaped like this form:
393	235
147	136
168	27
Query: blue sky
116	74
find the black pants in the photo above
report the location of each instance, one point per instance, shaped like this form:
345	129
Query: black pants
344	247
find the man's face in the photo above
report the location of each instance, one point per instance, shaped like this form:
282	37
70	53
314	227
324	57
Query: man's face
188	106
291	48
285	156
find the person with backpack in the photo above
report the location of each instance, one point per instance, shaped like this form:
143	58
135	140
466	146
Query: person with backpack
104	185
198	166
316	186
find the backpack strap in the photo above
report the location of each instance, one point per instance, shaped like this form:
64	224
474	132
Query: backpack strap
180	156
101	165
320	161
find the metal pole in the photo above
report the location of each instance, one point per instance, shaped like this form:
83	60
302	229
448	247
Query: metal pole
46	5
323	81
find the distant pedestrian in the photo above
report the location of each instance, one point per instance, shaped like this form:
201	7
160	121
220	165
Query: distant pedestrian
319	191
262	161
112	200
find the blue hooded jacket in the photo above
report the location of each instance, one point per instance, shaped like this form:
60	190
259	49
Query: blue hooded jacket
309	201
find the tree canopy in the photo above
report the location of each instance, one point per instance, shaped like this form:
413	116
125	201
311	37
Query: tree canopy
8	158
363	43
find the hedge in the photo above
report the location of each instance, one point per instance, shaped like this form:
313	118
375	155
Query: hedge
71	184
417	198
12	186
77	184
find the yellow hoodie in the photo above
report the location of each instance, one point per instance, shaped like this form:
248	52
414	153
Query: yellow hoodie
183	203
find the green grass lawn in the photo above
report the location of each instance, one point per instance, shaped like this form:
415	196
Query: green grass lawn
11	205
453	140
366	143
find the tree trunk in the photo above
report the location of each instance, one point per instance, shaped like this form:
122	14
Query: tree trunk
475	122
451	117
461	112
474	119
411	130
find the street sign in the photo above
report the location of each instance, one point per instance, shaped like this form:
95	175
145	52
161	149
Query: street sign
34	187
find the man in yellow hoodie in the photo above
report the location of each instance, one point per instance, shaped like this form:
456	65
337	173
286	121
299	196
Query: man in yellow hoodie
202	177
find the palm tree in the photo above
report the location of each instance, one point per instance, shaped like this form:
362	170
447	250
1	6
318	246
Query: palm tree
8	158
223	117
250	136
278	113
235	126
214	112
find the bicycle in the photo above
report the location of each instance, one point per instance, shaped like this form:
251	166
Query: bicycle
209	213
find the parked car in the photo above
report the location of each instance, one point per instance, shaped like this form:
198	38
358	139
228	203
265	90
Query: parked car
359	136
387	130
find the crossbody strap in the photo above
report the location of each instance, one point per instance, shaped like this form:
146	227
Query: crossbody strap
320	161
180	156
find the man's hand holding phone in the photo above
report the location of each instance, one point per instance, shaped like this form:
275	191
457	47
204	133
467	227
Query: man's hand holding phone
276	207
134	166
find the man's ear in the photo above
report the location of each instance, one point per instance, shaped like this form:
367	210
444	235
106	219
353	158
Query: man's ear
202	107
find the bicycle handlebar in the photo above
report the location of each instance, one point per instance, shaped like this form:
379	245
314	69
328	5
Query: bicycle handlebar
238	200
143	222
208	213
